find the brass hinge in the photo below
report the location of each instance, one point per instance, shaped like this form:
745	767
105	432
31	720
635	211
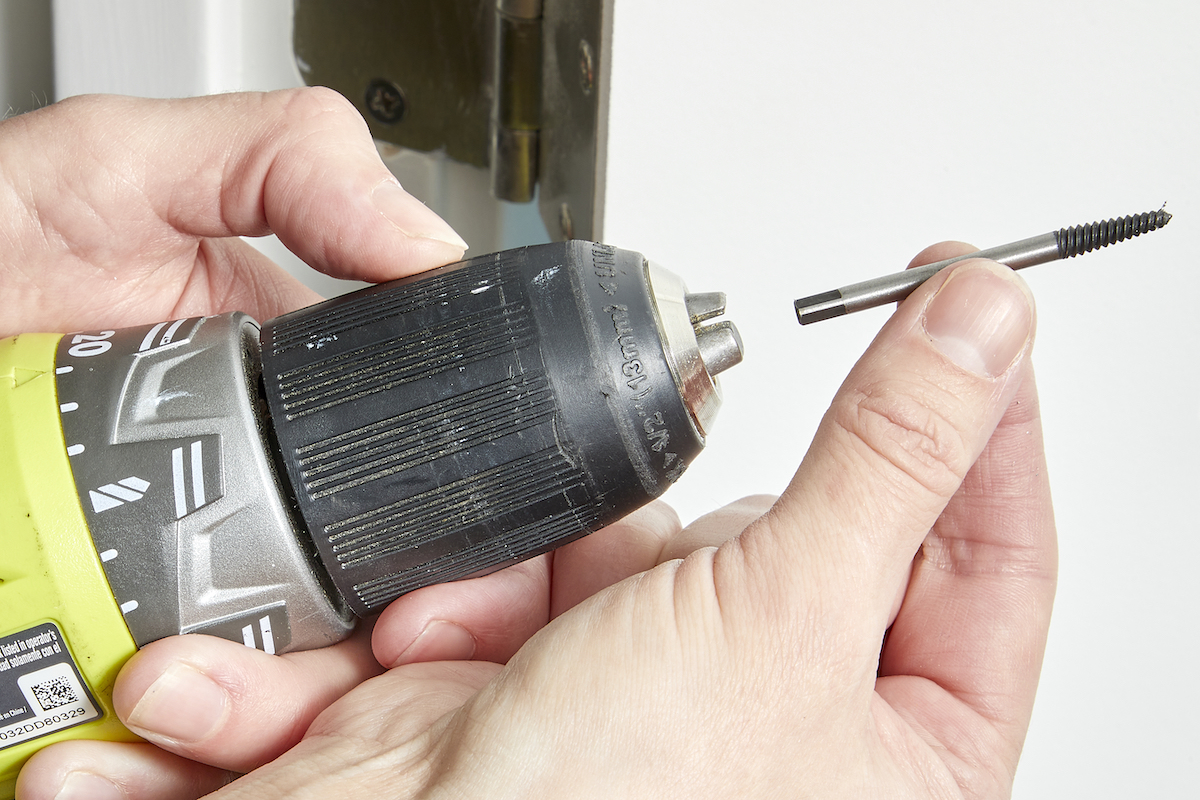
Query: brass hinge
516	86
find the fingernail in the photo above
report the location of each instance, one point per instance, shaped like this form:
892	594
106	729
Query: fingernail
86	786
440	641
183	705
412	216
981	318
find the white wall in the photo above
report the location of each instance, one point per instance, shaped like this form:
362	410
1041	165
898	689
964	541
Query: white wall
774	148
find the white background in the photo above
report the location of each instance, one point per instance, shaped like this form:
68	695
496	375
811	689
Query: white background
777	148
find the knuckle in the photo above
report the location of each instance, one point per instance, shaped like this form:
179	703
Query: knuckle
978	558
921	445
317	102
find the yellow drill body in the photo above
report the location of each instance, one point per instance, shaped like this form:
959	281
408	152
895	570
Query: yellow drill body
62	633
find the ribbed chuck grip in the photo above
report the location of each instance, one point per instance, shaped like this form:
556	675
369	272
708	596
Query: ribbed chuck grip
450	424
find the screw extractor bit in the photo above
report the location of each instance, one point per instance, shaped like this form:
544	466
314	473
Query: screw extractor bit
1063	243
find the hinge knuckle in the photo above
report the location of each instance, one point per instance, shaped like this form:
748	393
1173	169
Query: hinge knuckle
518	99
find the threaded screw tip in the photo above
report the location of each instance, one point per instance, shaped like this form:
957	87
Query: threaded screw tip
1085	238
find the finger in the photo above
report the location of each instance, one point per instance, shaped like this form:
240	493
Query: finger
411	698
941	252
378	741
977	611
87	770
490	618
902	432
299	163
312	174
717	527
230	706
641	541
630	546
485	618
115	194
234	276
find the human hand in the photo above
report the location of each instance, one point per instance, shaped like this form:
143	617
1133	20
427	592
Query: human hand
878	632
117	211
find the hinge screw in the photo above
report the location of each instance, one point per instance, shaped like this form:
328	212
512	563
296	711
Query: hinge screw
385	100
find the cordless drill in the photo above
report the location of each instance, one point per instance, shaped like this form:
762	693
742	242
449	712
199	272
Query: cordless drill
269	485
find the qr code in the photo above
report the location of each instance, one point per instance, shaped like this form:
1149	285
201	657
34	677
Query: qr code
54	693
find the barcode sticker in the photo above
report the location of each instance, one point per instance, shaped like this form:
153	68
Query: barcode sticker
54	693
40	688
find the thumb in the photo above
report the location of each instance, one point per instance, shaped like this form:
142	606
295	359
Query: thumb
330	199
299	163
902	432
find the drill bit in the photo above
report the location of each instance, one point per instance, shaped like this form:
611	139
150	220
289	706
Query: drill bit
1063	243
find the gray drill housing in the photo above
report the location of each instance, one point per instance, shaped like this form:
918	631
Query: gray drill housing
169	447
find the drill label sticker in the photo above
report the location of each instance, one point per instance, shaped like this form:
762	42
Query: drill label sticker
41	691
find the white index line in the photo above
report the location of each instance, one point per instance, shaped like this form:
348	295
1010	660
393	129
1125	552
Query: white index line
75	449
264	624
198	473
108	555
248	636
149	340
169	336
130	606
177	476
63	370
67	407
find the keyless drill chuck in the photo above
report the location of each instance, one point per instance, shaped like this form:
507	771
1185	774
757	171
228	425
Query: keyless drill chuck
201	475
443	427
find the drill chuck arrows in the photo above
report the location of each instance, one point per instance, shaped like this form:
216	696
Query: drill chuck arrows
1063	243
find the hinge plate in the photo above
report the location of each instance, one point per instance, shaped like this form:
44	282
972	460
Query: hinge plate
462	77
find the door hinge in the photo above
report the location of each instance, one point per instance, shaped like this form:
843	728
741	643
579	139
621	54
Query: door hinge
519	87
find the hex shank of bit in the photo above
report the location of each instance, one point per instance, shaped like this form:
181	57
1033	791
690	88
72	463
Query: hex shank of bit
1064	243
894	288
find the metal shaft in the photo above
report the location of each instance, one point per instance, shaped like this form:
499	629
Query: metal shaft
1063	243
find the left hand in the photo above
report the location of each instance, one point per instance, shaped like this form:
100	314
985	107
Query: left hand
118	211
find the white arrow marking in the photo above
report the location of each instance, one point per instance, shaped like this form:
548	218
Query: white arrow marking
102	502
111	495
121	493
